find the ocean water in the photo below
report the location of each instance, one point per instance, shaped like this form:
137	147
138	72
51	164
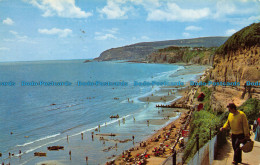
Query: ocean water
42	116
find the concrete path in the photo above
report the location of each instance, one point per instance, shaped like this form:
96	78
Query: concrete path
225	155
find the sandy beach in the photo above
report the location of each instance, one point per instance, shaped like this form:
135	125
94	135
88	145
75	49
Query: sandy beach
50	162
164	138
156	148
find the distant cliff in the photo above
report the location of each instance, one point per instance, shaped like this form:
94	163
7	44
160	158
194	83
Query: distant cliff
140	51
190	55
238	59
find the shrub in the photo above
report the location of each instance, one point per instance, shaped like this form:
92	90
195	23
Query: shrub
251	108
201	123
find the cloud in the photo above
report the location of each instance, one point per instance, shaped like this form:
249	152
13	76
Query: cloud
61	8
147	4
229	32
242	22
224	8
105	37
13	32
19	38
98	33
145	38
185	34
249	0
8	21
140	39
115	9
4	49
235	10
254	18
113	30
172	12
55	31
193	28
106	34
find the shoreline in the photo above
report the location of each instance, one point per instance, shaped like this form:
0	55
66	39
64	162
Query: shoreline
146	146
165	124
166	137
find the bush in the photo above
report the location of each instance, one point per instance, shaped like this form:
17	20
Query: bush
251	108
201	123
246	37
207	100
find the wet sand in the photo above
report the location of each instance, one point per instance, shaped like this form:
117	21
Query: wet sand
171	129
190	69
155	99
50	162
168	93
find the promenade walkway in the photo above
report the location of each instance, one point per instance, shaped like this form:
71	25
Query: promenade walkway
225	155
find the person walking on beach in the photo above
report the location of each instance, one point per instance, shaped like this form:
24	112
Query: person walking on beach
257	128
238	123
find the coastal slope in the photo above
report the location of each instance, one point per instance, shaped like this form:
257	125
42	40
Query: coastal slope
189	55
139	51
238	59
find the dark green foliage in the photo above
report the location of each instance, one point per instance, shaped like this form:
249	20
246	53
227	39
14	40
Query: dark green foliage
251	108
207	93
171	48
201	123
175	54
203	120
207	100
246	37
197	52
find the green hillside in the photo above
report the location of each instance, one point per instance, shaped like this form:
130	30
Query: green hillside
246	37
140	51
191	55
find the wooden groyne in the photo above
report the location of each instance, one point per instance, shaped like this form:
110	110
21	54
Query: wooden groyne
174	106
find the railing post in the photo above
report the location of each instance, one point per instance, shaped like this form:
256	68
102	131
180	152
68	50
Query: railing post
174	157
197	138
209	133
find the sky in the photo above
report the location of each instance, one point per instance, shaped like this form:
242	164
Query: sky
82	29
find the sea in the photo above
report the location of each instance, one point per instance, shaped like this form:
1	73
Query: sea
62	103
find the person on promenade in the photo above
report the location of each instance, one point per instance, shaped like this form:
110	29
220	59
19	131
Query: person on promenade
257	128
238	123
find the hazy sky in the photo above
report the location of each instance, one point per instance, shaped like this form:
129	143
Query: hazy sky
82	29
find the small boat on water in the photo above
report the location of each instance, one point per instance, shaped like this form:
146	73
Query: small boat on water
55	148
40	154
117	116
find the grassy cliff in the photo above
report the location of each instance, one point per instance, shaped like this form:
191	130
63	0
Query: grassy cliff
174	54
246	37
238	59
